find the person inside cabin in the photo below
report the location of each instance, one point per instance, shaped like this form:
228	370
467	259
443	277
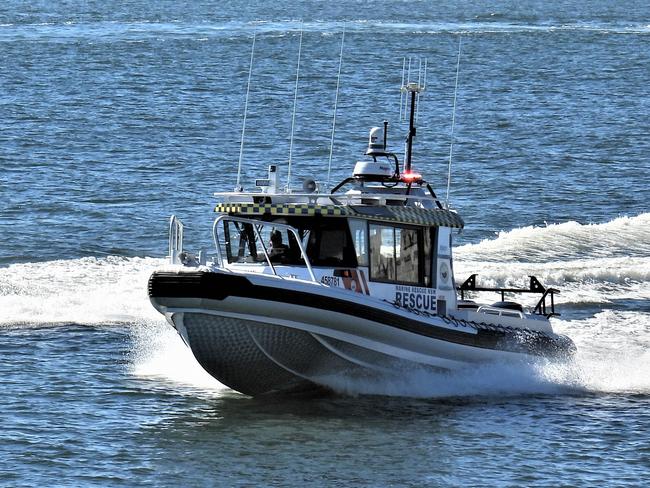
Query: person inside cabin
277	250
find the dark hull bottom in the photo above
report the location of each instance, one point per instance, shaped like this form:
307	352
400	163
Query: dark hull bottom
256	358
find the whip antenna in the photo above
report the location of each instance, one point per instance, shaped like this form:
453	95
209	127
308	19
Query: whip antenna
453	124
243	130
413	90
401	93
293	117
423	84
336	101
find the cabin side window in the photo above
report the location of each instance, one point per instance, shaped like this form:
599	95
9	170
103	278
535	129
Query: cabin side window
330	244
400	254
359	232
407	268
382	253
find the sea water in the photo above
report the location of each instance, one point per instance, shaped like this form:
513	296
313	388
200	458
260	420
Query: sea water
115	116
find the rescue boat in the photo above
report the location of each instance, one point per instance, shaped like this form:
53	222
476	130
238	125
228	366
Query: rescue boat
307	287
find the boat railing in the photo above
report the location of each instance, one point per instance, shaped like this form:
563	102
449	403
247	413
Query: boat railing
175	239
257	226
356	198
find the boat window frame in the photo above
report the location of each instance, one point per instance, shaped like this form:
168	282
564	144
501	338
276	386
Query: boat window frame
249	243
354	225
256	224
422	262
433	256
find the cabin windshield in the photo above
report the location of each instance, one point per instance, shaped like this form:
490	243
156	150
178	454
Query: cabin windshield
328	242
394	253
244	246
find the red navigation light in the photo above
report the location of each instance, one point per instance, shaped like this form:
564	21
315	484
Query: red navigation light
411	177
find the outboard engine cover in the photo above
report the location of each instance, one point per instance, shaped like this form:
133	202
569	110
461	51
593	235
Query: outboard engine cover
509	306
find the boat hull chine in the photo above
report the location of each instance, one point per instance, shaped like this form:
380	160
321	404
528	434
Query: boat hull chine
258	358
226	348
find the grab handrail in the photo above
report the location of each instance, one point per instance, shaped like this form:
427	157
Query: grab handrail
175	239
257	225
329	198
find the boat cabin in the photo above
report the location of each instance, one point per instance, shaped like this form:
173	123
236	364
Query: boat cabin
399	252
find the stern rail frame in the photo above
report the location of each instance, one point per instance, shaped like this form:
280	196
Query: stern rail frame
534	287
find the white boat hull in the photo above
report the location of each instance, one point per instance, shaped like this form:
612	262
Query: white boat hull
264	334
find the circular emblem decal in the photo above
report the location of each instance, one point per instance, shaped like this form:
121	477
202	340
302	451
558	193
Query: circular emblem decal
444	272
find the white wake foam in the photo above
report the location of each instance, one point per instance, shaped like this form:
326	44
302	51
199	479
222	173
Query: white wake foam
593	263
613	350
88	291
159	353
596	281
613	357
492	379
102	291
621	237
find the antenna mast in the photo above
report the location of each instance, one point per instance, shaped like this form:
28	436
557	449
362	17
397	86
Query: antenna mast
293	117
243	130
336	101
453	124
412	89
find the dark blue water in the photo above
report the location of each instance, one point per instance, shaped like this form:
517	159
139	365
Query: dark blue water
114	116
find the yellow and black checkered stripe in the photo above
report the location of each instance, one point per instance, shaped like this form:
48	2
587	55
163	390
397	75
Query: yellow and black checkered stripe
304	209
429	217
396	214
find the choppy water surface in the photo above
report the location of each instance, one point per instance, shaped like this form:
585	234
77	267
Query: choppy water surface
114	117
